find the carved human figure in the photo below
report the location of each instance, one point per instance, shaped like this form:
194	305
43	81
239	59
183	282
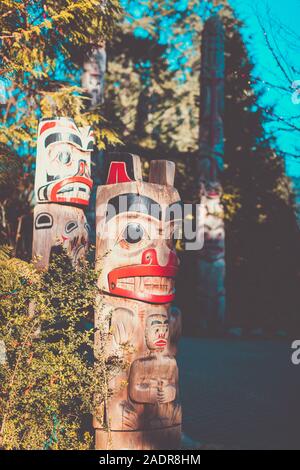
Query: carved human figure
63	164
153	378
156	383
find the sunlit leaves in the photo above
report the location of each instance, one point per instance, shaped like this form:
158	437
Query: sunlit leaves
49	380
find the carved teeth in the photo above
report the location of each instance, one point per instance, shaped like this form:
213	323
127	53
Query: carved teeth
74	188
149	284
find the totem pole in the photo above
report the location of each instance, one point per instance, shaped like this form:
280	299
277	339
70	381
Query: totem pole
92	81
211	261
137	264
62	187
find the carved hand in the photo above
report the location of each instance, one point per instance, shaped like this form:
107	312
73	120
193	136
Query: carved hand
166	394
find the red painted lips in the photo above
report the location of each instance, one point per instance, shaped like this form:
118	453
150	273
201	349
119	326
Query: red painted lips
161	343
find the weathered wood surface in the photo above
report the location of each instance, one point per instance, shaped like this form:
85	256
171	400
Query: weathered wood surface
137	267
57	225
145	336
62	185
162	172
163	439
63	165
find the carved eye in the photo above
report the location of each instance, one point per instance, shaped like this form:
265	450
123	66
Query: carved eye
64	157
43	221
71	226
133	233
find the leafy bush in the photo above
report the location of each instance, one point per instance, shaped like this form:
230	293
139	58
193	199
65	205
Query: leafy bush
48	380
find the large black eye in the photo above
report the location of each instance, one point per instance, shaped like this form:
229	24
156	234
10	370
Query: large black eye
133	233
43	221
70	226
64	157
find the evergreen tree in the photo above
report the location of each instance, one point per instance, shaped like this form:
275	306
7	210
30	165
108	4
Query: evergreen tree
262	239
42	47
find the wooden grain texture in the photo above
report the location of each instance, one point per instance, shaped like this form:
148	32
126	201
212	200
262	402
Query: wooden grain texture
162	172
122	167
162	439
136	279
63	163
151	399
57	225
112	251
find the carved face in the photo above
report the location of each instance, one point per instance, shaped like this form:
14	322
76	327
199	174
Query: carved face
63	162
214	233
56	225
135	248
157	331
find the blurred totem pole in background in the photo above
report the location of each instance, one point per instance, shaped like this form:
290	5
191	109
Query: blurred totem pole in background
92	81
211	260
62	188
137	262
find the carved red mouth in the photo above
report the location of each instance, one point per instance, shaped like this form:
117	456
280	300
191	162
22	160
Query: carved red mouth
75	189
147	281
153	284
160	343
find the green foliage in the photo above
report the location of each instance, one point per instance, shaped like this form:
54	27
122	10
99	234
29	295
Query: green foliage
43	45
10	167
262	238
32	32
49	381
158	114
147	102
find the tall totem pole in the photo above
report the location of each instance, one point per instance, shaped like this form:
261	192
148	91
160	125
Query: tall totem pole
137	263
92	81
62	188
211	261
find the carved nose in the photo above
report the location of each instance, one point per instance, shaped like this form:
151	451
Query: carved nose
150	257
82	168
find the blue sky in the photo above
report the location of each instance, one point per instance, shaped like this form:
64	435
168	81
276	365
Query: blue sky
273	15
270	12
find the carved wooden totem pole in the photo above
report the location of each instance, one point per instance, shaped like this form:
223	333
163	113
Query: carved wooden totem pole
62	187
137	265
92	79
211	261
